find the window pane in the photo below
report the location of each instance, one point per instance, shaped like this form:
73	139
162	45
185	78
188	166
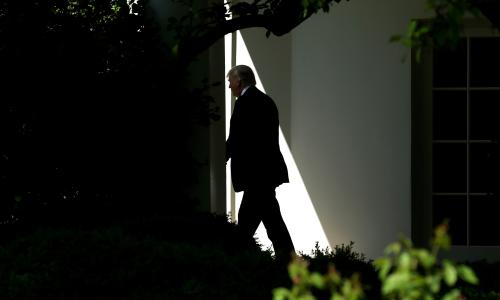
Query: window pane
449	168
453	209
449	115
485	115
484	168
484	221
485	62
450	66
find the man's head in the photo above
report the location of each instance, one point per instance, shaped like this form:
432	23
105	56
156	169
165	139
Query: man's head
240	77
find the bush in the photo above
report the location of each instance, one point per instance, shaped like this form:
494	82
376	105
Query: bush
347	262
190	256
405	273
132	262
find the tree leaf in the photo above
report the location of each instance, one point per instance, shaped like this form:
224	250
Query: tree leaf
395	282
404	261
452	295
411	27
449	273
393	248
425	258
434	283
383	265
317	280
281	294
467	274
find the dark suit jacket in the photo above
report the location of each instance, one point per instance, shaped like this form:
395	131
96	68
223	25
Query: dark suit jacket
253	143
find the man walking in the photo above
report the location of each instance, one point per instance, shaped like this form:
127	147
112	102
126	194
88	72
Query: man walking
257	165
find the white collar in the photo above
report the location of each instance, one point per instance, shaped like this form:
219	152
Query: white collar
244	90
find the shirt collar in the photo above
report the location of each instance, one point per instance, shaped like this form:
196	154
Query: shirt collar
244	90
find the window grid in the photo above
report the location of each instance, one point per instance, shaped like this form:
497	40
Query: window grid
468	141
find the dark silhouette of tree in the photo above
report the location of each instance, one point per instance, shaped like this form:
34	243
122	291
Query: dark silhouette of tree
97	106
94	111
197	31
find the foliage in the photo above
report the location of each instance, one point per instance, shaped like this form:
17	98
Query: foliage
305	282
185	256
405	273
315	5
202	27
148	259
444	29
412	273
320	275
490	283
96	114
189	256
345	259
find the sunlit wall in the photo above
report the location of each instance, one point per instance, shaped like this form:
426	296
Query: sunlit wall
350	120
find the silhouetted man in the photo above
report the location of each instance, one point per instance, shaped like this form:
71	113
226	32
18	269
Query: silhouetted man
257	166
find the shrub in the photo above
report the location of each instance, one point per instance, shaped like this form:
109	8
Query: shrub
405	273
134	262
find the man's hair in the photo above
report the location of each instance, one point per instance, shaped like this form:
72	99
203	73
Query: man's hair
243	73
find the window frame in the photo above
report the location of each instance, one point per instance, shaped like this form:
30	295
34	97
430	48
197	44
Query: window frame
422	146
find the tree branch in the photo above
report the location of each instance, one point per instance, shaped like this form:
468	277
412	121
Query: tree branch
279	17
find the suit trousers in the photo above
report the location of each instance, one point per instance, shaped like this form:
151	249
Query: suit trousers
259	204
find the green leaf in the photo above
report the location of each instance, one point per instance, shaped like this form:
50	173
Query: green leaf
467	274
383	265
336	296
434	283
305	5
308	296
452	295
281	294
406	242
393	248
404	261
449	273
425	258
418	55
346	288
317	280
395	282
298	269
423	30
415	294
441	237
411	27
175	50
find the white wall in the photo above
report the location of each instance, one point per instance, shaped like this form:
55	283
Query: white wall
350	120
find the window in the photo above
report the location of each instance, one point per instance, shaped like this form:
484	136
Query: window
455	142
